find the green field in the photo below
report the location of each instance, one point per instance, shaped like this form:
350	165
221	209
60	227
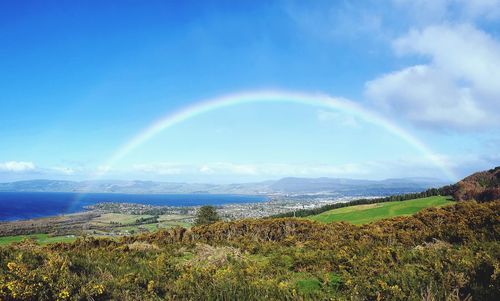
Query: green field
119	218
363	214
126	222
119	223
39	238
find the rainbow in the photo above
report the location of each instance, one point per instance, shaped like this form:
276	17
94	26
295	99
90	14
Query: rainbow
321	100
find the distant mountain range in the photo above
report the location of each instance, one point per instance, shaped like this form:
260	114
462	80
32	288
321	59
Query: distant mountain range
282	186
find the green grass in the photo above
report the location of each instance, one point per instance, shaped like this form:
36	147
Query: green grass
39	238
124	222
363	214
123	219
308	285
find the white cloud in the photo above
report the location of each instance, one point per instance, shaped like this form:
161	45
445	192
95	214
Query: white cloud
425	96
398	167
236	172
17	166
166	168
459	87
463	52
251	170
283	170
206	170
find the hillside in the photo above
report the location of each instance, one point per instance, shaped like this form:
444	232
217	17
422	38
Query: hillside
481	186
362	214
447	253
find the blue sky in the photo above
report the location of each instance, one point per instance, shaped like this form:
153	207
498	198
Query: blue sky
80	79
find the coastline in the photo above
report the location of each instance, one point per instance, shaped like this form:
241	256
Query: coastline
113	219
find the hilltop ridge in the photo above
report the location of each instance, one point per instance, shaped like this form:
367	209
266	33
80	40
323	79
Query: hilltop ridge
481	186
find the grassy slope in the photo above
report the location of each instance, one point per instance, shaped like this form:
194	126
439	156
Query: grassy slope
124	219
40	238
363	214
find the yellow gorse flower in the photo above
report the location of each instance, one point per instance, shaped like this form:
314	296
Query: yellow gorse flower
64	294
11	265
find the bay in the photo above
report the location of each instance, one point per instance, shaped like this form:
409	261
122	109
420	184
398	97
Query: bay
26	205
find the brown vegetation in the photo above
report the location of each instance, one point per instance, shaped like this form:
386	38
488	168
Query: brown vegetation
482	186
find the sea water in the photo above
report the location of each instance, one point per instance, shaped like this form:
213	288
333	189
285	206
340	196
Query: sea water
26	205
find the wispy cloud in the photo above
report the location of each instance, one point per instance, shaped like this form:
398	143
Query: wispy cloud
17	166
214	172
263	171
212	168
63	170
